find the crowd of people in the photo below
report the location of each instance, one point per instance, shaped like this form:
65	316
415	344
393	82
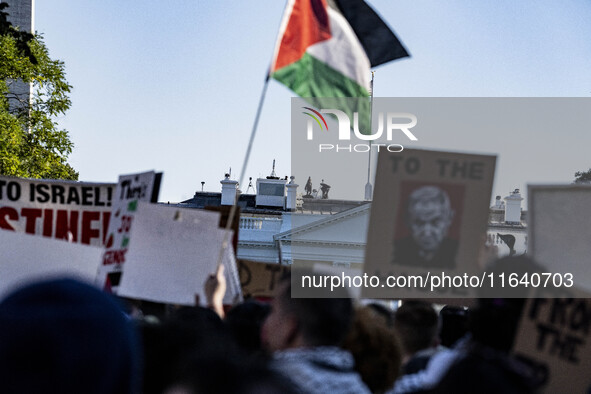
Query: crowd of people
63	336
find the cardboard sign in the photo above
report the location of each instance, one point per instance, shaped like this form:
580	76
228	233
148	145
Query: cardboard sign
260	279
26	258
429	215
554	339
558	231
225	211
74	211
171	254
130	189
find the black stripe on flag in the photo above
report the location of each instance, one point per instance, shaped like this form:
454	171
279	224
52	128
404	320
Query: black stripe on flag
379	42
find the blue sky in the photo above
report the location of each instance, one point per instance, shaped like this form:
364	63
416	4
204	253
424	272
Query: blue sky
174	85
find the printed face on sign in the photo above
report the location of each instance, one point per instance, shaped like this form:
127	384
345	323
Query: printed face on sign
429	217
427	227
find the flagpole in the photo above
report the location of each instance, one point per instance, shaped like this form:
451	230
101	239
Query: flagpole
230	220
368	186
233	209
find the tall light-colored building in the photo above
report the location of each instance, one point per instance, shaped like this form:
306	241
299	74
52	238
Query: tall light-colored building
21	13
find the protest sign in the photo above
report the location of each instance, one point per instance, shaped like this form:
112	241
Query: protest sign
260	279
26	258
78	212
130	189
225	211
554	339
172	252
429	216
558	231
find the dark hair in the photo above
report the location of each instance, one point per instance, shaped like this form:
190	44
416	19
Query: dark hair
416	324
454	324
65	336
383	312
322	321
244	322
170	343
375	348
494	322
221	373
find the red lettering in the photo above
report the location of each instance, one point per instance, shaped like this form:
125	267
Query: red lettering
114	257
10	213
63	226
31	215
47	222
87	231
106	219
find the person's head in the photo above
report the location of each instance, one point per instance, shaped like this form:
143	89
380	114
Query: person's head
375	348
171	342
429	216
454	324
299	322
382	312
416	324
65	336
244	322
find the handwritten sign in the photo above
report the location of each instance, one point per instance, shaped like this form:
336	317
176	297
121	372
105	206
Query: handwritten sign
77	212
260	279
129	191
554	338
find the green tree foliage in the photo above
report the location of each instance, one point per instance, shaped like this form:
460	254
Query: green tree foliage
31	142
583	177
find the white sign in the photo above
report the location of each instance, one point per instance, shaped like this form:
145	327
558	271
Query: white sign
26	258
130	189
77	212
559	230
172	253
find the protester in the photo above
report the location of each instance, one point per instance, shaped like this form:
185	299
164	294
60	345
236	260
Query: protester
304	335
386	314
63	336
481	361
169	344
244	322
229	374
453	324
485	365
375	348
416	324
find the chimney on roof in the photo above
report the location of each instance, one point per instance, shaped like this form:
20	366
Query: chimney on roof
228	190
291	200
513	207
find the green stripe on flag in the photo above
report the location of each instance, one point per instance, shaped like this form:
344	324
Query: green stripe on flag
326	88
309	77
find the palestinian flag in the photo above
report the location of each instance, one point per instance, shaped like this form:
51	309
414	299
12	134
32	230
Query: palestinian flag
327	47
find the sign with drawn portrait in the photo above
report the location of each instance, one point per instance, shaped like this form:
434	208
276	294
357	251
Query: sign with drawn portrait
428	217
428	224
